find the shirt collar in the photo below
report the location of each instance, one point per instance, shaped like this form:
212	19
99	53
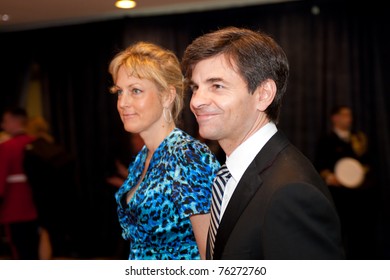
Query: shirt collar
342	134
244	154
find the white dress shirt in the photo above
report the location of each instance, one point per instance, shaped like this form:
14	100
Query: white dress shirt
242	156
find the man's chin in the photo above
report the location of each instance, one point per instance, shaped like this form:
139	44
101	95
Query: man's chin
207	134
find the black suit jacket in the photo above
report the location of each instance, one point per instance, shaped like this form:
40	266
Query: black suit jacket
281	209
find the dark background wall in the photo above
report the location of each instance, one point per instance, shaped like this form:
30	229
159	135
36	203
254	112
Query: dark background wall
338	53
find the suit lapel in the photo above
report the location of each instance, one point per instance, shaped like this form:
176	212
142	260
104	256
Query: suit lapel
247	187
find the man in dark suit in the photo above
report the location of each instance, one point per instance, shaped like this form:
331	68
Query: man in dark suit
355	198
275	205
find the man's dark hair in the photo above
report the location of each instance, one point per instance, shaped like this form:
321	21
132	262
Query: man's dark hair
256	55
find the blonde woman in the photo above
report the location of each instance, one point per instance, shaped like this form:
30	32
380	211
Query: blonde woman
164	204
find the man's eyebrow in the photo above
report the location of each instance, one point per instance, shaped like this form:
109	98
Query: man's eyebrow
213	80
209	81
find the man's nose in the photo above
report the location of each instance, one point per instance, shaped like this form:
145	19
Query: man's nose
199	97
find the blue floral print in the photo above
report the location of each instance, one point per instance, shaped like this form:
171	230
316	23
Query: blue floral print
176	185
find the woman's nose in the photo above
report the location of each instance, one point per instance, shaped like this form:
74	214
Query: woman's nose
124	100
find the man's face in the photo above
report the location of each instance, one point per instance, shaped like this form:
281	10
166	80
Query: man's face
223	107
343	119
9	123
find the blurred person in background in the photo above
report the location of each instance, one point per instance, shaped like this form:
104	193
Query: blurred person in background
121	173
341	141
343	161
18	213
51	173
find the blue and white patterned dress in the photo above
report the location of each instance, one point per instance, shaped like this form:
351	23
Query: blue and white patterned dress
177	185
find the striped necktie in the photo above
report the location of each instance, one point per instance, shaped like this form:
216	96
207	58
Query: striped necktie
219	184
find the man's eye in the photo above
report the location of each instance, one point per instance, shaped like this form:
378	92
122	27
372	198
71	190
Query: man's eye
193	88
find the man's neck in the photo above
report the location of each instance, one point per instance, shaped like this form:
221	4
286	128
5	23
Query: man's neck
342	134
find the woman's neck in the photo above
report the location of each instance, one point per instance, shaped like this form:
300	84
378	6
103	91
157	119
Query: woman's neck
153	139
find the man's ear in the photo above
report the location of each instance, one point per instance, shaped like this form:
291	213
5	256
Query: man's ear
169	97
265	94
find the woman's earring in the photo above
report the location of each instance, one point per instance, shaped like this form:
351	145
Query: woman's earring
167	115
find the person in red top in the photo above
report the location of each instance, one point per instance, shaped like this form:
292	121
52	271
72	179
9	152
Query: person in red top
18	214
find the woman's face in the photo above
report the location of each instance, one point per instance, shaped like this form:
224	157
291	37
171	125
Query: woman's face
139	103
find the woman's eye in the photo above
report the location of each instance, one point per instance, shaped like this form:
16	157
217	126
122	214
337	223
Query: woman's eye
136	91
119	92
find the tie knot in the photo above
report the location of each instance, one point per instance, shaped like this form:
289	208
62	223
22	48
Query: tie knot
224	173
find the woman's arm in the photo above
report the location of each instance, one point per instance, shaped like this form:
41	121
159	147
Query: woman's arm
200	225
